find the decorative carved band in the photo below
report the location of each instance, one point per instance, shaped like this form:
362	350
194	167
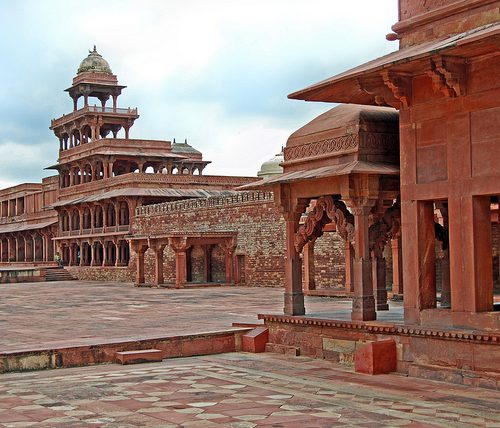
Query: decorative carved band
325	211
322	147
385	229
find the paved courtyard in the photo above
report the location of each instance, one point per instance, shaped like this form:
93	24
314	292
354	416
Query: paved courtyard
240	391
80	313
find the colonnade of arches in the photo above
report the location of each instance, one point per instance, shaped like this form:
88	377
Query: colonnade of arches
79	134
80	173
20	247
95	218
95	252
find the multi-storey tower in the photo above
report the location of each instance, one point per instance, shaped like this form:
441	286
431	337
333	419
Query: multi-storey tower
104	174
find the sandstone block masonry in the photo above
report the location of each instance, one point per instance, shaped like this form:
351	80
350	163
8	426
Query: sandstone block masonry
260	239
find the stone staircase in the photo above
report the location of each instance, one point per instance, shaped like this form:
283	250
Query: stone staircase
58	274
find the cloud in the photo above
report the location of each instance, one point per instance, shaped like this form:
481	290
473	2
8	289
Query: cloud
216	72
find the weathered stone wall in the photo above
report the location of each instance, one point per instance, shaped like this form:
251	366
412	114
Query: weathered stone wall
329	267
260	247
260	239
91	273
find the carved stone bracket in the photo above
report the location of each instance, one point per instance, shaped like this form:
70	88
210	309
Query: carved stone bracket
385	229
388	88
448	75
325	211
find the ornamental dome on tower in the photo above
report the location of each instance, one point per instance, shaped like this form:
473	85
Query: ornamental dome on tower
272	166
94	63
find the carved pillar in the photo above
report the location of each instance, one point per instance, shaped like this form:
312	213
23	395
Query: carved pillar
292	210
363	305
397	269
179	245
348	256
140	250
309	280
71	254
158	249
379	280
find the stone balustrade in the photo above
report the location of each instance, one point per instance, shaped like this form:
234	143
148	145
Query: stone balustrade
205	203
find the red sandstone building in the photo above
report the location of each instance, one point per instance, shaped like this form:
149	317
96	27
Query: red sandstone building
87	210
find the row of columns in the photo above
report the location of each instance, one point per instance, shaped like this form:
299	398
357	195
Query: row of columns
18	247
378	271
78	136
182	250
12	207
96	252
92	216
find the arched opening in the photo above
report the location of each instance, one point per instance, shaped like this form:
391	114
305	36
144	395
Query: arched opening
123	214
38	241
75	220
86	220
110	215
98	217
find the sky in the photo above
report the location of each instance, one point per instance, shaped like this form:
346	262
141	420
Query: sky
216	73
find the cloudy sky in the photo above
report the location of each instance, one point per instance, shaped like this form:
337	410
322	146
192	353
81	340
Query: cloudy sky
215	72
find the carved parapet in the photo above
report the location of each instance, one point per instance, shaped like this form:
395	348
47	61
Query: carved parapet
325	211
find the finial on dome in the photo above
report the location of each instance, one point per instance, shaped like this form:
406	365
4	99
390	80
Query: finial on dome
185	140
174	140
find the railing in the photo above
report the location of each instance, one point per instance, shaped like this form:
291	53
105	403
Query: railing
205	203
130	178
93	109
96	230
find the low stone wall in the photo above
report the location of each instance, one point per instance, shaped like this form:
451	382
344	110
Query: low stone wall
455	356
35	274
99	273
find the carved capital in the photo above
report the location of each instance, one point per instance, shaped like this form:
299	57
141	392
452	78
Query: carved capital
178	243
385	229
448	75
326	210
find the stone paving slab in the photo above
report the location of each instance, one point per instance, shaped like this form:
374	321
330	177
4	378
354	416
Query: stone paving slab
237	390
57	314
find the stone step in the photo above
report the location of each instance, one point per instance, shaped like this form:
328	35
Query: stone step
256	339
139	356
58	274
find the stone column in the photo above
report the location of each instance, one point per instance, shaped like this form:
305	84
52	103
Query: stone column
379	280
294	296
309	277
470	239
179	245
104	253
348	256
92	253
140	250
397	269
158	250
419	258
117	254
363	305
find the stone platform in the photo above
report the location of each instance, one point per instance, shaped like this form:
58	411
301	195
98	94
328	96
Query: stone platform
78	313
237	391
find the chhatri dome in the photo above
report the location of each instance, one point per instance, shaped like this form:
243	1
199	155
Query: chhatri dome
94	63
272	166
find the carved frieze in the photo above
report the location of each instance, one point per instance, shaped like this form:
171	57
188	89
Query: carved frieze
336	145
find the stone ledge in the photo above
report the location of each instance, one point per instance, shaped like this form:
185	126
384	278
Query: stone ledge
483	337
